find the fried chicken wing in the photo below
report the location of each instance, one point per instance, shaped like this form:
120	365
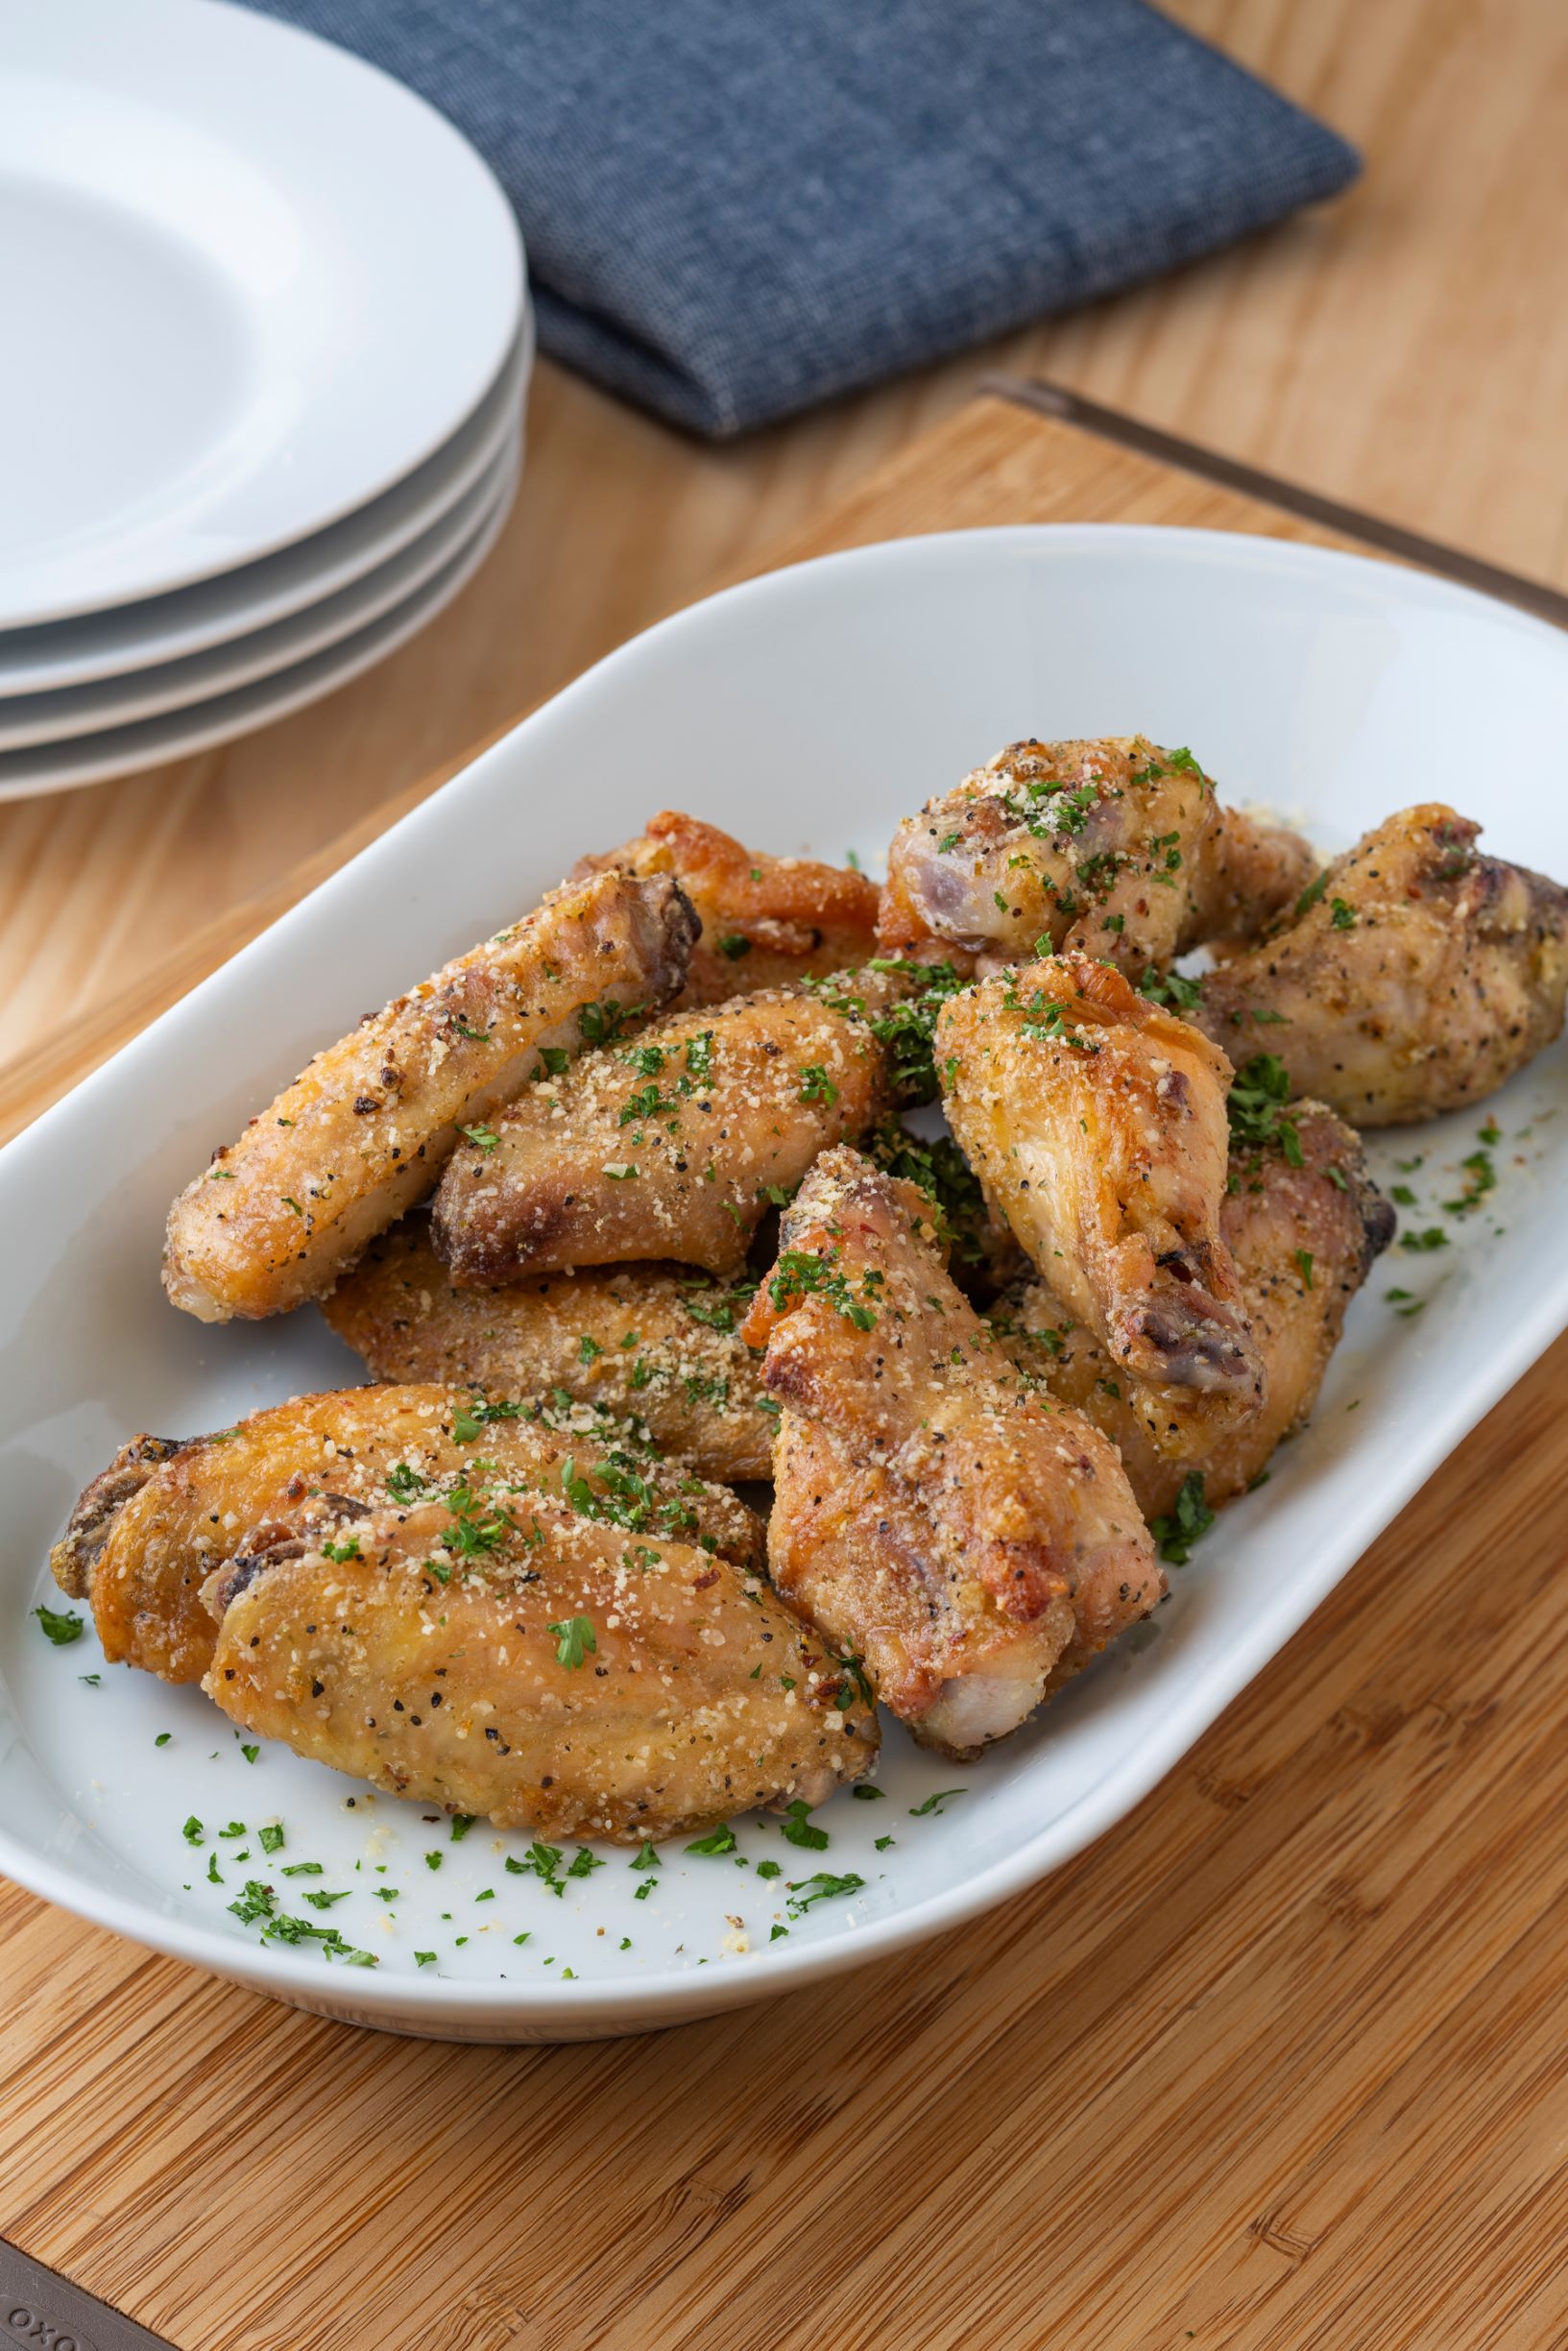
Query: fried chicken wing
669	1147
934	1512
1097	1123
363	1132
1412	978
765	920
535	1668
146	1535
1117	848
657	1343
1303	1230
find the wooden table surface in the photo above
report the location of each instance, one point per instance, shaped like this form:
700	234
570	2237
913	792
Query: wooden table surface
1274	2067
1405	350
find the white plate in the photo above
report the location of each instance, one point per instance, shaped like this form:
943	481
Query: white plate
248	282
1334	687
147	743
159	629
81	711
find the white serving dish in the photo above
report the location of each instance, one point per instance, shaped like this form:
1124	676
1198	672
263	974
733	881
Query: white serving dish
59	766
249	283
807	709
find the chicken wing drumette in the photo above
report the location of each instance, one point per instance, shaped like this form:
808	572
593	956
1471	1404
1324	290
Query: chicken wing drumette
1410	978
1096	1121
935	1513
673	1146
1303	1223
147	1533
765	920
1117	848
362	1133
657	1343
513	1659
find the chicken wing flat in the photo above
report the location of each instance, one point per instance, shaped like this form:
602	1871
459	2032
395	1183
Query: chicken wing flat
1115	848
1410	978
1303	1222
1097	1123
671	1147
935	1513
362	1134
146	1535
660	1344
536	1669
765	920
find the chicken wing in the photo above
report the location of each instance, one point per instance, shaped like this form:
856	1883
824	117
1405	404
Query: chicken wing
934	1511
362	1134
535	1668
657	1342
1097	1123
1410	978
146	1535
1303	1228
765	920
1118	849
671	1147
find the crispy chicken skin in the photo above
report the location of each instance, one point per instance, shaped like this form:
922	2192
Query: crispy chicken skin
765	920
1413	978
362	1133
182	1511
536	1669
935	1513
1117	848
1096	1121
666	1146
1303	1239
659	1343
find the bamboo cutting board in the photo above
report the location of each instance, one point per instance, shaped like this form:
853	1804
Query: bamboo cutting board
1276	2066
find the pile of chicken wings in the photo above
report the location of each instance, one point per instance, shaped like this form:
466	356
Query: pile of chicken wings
624	1207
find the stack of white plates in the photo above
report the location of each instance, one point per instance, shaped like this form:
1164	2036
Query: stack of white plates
267	345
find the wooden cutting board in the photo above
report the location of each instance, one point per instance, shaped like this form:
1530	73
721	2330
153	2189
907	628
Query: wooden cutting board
1276	2066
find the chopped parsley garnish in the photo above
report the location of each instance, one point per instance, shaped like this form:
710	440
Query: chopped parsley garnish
1433	1238
1341	916
574	1641
483	1138
798	1828
649	1856
866	1791
732	946
1173	990
462	1823
339	1552
405	1483
601	1023
269	1836
1313	892
193	1831
716	1841
1303	1264
822	1887
1256	1109
1175	1532
935	1804
61	1626
816	1086
802	1273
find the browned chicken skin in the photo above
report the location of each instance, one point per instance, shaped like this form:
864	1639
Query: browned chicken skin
1303	1237
362	1133
765	920
1096	1121
514	1660
671	1147
181	1510
1410	979
934	1512
1117	848
657	1342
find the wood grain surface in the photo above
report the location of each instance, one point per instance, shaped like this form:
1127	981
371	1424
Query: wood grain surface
1276	2066
1405	349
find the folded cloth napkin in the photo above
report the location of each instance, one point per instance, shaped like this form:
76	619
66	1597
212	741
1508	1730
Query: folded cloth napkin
735	208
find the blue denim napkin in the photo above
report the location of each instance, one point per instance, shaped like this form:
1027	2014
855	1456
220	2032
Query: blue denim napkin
735	208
